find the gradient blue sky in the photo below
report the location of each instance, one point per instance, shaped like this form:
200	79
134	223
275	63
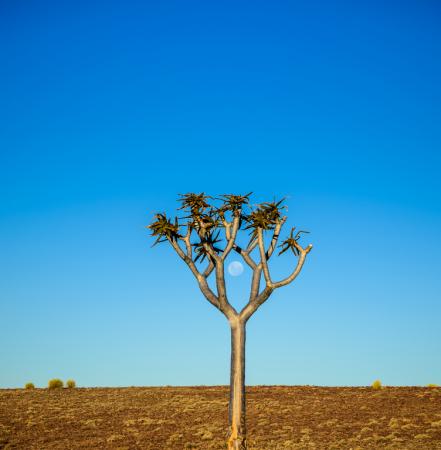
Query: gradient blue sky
110	109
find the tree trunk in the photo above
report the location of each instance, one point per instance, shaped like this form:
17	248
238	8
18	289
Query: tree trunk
237	431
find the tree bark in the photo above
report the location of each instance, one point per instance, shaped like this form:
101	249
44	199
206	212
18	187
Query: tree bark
237	431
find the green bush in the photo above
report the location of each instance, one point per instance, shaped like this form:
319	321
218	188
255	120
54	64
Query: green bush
432	385
377	384
29	386
70	384
55	383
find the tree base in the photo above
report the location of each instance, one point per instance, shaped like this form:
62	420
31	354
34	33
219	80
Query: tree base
237	442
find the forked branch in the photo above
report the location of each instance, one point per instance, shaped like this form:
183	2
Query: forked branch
205	220
256	299
201	279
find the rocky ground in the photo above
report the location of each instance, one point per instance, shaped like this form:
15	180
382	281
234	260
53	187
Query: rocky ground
279	417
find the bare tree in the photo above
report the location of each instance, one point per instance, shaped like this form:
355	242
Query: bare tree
204	223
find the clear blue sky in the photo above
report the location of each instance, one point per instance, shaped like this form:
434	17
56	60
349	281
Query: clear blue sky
108	110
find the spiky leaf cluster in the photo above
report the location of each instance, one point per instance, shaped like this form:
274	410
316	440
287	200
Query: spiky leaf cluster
200	248
194	203
164	229
234	203
206	219
204	224
291	242
203	217
265	217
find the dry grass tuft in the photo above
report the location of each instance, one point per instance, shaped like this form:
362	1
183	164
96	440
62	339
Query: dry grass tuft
70	384
377	384
55	383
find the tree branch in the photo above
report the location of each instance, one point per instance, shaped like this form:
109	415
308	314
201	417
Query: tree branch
202	281
186	239
209	269
224	304
302	255
252	245
252	306
227	226
255	282
245	255
275	238
231	237
263	260
217	263
258	299
187	242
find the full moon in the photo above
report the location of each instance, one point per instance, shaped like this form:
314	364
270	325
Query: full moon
235	268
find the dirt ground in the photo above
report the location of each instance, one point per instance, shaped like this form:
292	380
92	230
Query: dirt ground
278	417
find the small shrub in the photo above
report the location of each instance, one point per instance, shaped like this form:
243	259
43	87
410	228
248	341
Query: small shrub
55	383
70	384
432	385
377	384
29	386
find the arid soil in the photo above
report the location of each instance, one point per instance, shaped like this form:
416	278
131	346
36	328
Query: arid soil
279	417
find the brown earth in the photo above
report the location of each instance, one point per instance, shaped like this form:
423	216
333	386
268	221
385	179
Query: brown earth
279	417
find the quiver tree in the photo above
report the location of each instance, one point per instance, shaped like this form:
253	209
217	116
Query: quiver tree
208	232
